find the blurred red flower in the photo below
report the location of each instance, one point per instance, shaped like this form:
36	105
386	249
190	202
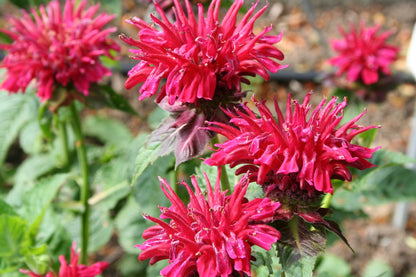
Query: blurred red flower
295	151
57	48
363	54
211	237
73	269
199	57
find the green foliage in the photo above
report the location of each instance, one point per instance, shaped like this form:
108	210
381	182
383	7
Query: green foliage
26	4
333	266
15	111
390	181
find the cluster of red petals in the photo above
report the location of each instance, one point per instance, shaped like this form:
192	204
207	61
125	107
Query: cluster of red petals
73	269
55	47
196	54
363	54
211	237
309	150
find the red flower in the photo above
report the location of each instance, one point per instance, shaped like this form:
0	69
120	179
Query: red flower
296	150
198	56
211	237
57	48
363	54
73	269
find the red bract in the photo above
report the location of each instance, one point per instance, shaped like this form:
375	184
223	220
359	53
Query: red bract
363	54
73	269
197	55
294	150
57	48
211	237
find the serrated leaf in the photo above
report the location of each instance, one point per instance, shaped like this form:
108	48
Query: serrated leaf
13	236
15	111
131	225
148	153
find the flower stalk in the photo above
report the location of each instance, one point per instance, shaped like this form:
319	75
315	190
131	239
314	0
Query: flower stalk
82	159
225	183
63	136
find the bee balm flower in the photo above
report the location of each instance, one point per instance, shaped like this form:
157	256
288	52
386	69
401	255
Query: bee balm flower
73	269
57	48
297	152
363	55
210	237
200	57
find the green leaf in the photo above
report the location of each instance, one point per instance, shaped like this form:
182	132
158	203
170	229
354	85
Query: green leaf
31	138
378	268
293	263
26	4
31	169
15	111
366	138
333	266
131	225
111	6
148	153
157	116
104	96
6	209
38	198
13	236
108	130
385	184
146	190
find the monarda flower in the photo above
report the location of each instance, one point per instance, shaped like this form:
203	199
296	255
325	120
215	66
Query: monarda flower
196	65
210	236
73	269
363	54
199	56
297	154
57	48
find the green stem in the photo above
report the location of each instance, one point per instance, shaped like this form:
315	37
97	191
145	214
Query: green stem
225	183
64	142
82	158
326	201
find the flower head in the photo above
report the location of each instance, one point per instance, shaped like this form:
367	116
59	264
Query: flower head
199	56
363	55
296	152
211	237
73	269
57	48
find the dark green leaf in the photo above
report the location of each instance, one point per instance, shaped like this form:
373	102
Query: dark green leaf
26	4
104	96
